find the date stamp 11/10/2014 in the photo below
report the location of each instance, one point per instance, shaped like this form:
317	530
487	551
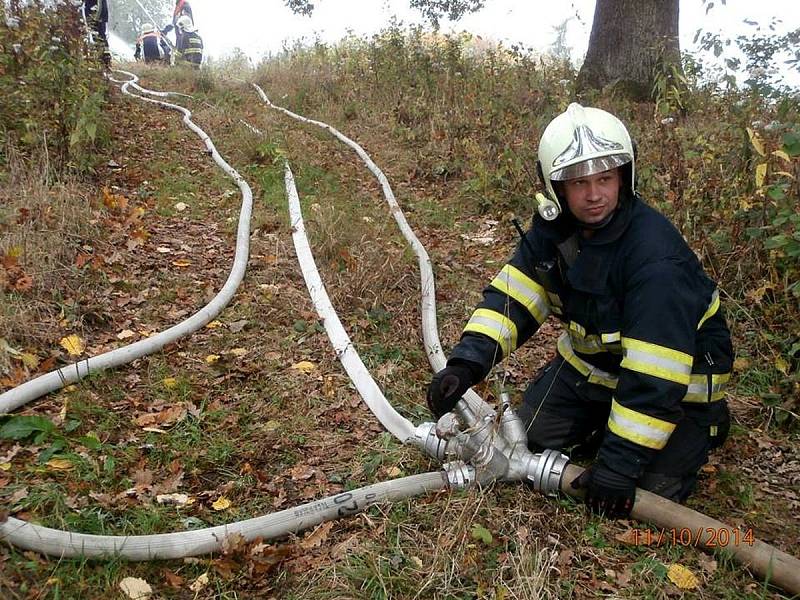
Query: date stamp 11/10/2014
701	537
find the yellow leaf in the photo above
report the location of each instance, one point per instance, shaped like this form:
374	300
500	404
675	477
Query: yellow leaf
740	364
239	351
783	155
60	464
5	466
212	358
318	536
200	583
71	388
181	262
222	503
14	251
73	344
744	204
304	366
214	324
169	382
761	174
30	360
782	365
756	141
682	577
135	588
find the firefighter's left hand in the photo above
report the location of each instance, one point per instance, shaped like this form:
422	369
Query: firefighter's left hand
607	492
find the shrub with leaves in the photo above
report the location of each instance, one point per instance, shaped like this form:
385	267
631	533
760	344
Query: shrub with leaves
52	90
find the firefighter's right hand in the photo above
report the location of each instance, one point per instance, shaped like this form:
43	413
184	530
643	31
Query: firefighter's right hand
447	387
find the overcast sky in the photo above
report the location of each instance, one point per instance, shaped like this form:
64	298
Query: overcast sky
261	26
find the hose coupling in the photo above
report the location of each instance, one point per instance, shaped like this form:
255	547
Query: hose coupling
426	439
545	471
459	474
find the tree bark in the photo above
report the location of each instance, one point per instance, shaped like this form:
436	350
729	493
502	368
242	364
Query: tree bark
630	41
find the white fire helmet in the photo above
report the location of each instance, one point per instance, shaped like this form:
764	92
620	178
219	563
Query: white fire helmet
579	142
184	23
148	28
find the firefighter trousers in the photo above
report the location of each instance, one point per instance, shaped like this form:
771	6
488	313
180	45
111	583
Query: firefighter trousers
562	411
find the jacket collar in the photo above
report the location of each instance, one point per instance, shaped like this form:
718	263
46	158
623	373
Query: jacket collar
590	270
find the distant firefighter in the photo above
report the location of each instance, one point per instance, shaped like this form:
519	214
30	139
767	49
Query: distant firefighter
151	46
190	45
95	14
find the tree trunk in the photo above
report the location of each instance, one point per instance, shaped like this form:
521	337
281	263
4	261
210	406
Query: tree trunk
629	43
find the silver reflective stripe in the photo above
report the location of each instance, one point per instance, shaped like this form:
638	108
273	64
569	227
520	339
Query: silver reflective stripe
655	360
698	390
495	326
638	427
523	289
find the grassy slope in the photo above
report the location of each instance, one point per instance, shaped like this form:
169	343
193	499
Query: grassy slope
266	436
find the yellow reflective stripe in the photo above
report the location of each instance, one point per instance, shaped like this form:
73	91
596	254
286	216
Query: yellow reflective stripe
513	282
611	337
655	360
697	391
592	373
577	328
591	344
586	345
713	307
639	428
495	326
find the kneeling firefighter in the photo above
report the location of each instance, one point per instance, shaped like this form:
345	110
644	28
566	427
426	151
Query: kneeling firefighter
641	367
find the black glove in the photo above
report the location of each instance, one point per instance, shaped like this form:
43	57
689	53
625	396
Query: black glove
167	29
447	387
607	492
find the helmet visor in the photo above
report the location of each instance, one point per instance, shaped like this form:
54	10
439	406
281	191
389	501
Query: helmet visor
591	167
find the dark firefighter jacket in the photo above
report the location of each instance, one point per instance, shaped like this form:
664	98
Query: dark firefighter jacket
95	11
640	317
190	47
151	47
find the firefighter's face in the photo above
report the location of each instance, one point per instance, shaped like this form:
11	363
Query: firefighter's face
593	197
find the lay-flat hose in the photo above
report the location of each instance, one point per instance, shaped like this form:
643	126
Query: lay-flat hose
56	542
398	425
30	390
430	330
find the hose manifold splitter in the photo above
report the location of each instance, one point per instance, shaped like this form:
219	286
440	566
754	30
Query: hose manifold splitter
487	448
